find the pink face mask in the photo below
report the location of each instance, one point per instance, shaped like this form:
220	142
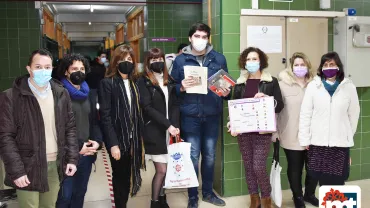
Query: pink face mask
300	71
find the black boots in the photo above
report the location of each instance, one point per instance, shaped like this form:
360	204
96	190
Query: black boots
312	200
155	204
299	202
163	201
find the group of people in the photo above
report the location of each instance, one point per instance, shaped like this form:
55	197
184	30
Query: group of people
51	129
317	115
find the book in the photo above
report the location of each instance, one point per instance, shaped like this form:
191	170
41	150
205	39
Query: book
220	80
199	74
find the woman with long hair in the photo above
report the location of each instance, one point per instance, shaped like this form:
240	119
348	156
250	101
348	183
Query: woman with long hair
293	83
328	122
121	120
255	82
72	71
161	117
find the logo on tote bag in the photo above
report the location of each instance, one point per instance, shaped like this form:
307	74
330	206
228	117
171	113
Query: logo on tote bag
340	196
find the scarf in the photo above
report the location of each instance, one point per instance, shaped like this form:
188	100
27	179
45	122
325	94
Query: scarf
76	94
330	88
128	121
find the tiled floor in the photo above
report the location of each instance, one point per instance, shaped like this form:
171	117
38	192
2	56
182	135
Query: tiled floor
98	195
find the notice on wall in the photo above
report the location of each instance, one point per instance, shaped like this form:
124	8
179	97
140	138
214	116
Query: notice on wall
267	38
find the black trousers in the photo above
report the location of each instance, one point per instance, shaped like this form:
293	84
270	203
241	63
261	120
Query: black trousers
296	160
121	173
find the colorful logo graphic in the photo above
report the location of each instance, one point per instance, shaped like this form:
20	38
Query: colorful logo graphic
176	156
340	197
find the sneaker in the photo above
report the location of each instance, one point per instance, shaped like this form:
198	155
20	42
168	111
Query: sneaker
213	199
312	200
193	203
299	202
3	205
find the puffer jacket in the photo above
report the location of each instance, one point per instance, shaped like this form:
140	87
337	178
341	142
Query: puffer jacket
329	121
22	135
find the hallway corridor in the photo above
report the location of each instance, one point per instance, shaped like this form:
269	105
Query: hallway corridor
99	195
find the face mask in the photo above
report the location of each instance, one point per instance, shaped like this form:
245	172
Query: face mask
77	78
199	44
330	72
126	67
157	67
300	71
106	64
103	60
252	67
42	77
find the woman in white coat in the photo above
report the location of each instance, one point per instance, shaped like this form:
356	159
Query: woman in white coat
293	82
328	122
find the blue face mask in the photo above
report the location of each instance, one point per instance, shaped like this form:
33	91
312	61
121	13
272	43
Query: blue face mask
42	76
252	67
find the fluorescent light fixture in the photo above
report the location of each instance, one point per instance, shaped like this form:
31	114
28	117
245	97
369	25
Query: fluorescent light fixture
89	23
91	8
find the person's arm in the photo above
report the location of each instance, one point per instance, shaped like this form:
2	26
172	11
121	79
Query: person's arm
72	146
9	151
354	109
105	99
146	105
175	117
305	117
177	76
277	96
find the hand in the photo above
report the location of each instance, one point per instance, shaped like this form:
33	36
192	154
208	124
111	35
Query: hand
177	131
85	149
71	169
94	145
187	83
308	147
350	161
173	131
228	125
22	182
116	152
260	95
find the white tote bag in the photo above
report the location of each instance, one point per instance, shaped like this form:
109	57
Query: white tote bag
276	192
180	168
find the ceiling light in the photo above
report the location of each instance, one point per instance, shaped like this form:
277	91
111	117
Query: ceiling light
89	23
91	8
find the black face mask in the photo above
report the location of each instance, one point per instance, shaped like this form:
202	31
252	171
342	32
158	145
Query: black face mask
157	67
126	67
77	77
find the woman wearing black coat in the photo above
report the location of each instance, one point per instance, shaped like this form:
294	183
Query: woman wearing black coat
161	118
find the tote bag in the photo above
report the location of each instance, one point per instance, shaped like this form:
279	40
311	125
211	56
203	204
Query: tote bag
276	192
180	168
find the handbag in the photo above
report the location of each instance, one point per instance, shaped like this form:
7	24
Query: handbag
180	168
275	180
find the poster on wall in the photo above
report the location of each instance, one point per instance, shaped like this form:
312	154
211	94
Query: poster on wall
267	38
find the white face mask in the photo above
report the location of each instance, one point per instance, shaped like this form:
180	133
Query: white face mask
103	60
199	44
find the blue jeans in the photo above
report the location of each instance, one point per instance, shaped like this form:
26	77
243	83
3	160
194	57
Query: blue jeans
73	189
202	133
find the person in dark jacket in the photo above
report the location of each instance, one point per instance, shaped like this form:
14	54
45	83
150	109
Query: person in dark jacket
38	141
161	115
255	82
122	123
98	70
200	114
72	72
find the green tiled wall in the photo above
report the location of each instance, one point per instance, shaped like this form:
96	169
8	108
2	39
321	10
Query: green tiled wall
171	20
19	35
234	177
